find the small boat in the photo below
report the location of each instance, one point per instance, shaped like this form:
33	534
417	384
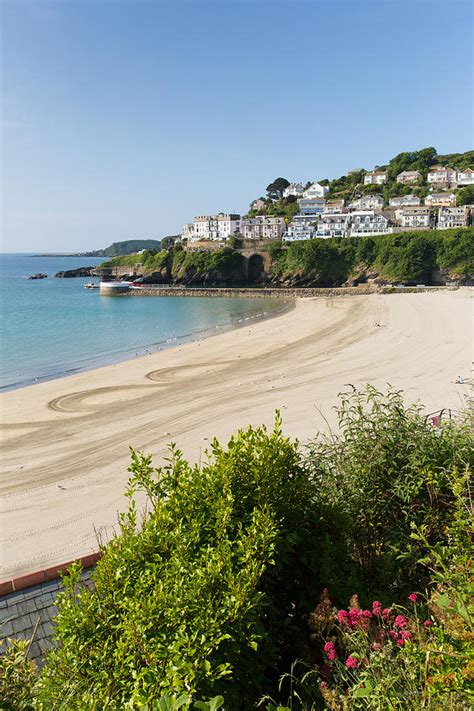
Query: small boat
91	285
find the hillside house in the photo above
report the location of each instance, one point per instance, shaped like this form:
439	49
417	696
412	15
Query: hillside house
311	206
316	191
439	175
441	200
465	177
368	222
452	217
263	228
188	232
407	177
334	206
404	200
416	217
257	204
375	177
293	189
301	227
216	227
333	225
367	202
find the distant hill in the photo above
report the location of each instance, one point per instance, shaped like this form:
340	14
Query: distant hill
129	246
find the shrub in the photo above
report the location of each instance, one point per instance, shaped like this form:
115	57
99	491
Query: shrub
197	598
18	676
390	469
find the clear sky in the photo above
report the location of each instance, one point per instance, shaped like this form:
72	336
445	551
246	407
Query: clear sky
125	119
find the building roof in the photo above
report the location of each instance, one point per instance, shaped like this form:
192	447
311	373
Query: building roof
408	172
439	195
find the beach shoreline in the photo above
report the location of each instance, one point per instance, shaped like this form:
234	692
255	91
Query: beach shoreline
66	441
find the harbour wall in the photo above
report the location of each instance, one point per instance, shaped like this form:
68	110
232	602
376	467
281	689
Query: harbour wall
269	292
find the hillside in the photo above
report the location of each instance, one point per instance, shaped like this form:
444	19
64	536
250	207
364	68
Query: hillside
351	186
408	257
126	247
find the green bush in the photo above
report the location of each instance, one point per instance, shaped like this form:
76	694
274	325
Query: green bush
387	471
197	597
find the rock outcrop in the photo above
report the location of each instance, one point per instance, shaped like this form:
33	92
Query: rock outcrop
70	273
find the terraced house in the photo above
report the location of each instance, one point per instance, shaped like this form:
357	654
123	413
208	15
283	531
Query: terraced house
368	222
416	217
215	227
263	228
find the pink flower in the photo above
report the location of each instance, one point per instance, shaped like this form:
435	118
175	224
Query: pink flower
367	614
352	662
400	642
400	621
392	634
405	634
413	598
377	608
427	623
376	646
329	646
342	616
386	612
332	655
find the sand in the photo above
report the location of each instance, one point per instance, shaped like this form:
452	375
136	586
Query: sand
66	442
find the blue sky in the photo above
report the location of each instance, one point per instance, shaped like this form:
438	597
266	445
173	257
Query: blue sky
125	119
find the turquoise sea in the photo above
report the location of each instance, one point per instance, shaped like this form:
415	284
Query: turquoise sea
54	327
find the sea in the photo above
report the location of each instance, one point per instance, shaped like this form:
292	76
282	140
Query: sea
54	327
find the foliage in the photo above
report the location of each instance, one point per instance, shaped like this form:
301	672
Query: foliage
388	470
208	594
169	241
285	207
465	196
18	677
406	257
276	188
199	597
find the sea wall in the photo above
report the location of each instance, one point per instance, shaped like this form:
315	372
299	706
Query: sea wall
269	292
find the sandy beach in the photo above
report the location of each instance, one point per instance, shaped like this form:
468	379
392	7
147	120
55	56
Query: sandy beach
66	442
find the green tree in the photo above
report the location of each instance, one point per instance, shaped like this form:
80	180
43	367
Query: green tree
276	188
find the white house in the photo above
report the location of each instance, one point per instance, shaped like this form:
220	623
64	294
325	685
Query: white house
417	217
263	228
408	176
404	200
451	217
375	177
293	189
333	225
465	177
215	227
367	202
439	175
188	232
316	191
311	206
301	227
441	200
368	222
